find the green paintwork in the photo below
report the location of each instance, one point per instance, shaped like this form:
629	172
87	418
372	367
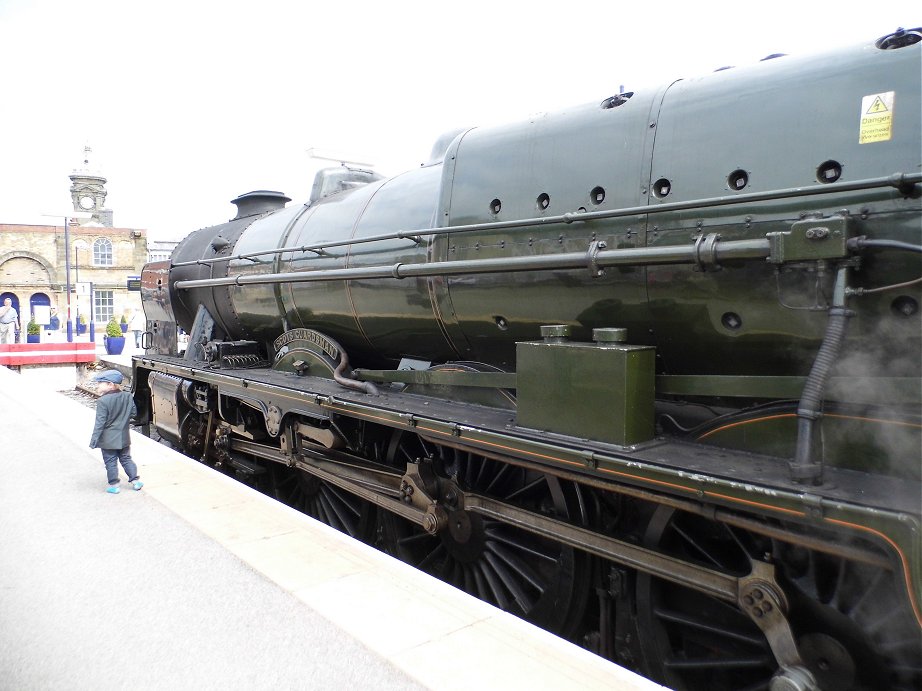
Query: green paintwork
602	392
778	121
490	380
730	330
811	240
880	446
741	329
899	390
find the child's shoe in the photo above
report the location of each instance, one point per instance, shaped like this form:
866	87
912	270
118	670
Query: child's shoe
112	489
137	484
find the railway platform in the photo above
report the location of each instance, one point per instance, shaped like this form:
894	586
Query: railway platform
199	582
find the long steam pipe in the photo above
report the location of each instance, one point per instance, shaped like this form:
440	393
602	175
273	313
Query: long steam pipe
631	256
905	182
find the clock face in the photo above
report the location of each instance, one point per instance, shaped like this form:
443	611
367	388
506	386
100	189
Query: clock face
87	202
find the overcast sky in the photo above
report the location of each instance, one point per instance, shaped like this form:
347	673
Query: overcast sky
187	103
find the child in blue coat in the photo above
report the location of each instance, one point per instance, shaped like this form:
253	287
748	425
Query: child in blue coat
111	435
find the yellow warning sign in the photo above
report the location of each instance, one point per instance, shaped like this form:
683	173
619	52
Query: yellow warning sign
876	118
878	106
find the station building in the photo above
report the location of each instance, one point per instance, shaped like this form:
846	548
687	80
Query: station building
86	253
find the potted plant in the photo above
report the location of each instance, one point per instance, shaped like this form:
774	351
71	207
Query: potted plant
33	332
81	324
114	339
123	324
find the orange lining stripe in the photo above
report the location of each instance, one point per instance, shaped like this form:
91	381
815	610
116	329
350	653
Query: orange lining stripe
874	419
573	463
509	448
906	573
359	413
650	480
793	512
647	480
745	422
787	415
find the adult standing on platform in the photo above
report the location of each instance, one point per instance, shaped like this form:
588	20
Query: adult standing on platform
9	322
137	324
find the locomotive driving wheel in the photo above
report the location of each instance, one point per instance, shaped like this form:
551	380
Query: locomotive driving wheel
851	626
535	578
321	500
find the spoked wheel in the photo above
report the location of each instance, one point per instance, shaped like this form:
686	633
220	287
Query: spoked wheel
532	577
853	629
854	625
691	640
321	500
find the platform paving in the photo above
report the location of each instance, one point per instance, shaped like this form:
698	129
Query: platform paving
117	592
198	582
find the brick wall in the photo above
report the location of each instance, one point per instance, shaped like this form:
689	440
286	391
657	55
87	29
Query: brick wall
32	261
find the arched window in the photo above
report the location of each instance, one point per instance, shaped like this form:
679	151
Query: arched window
102	252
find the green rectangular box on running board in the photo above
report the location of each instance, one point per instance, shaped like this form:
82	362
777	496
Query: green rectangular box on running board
591	390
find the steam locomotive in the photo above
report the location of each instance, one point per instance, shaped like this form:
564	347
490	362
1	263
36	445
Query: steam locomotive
646	372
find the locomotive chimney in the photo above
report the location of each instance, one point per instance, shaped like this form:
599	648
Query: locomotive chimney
258	202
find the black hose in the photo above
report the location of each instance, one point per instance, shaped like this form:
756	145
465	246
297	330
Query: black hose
861	242
805	468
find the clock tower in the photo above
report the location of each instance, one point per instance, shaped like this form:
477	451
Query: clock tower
88	193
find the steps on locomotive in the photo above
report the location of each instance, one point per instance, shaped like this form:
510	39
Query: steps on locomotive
412	621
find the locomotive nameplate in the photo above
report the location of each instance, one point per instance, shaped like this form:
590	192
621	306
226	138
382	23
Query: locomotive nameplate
306	351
